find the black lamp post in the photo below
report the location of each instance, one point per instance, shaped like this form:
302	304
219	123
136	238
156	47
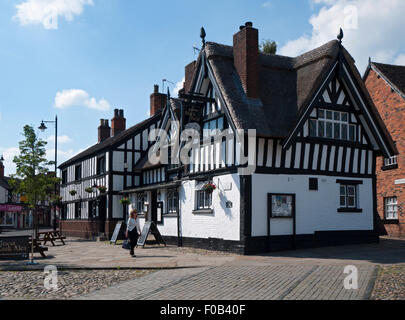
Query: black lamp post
43	127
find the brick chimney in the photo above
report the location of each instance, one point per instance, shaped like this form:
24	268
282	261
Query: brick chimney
1	169
118	123
157	101
189	72
104	130
246	58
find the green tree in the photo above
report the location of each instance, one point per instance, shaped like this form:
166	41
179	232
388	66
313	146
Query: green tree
268	47
33	178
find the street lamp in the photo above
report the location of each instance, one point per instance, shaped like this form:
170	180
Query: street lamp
43	127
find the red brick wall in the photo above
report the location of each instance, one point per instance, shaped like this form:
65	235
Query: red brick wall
86	229
391	107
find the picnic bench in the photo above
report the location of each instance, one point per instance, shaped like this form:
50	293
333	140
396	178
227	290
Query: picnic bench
38	248
51	236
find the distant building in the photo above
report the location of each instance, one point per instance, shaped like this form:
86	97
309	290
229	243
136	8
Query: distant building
386	84
111	164
13	214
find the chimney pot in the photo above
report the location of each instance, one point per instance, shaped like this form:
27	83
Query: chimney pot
104	130
249	24
118	123
156	88
1	169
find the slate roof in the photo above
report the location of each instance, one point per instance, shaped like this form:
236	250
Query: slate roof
112	141
394	74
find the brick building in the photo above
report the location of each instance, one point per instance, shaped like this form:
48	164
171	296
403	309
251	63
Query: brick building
386	84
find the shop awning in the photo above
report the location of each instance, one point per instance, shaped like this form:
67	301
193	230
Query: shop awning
153	187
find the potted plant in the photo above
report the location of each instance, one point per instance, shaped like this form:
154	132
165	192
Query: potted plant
125	201
210	187
72	192
89	190
102	189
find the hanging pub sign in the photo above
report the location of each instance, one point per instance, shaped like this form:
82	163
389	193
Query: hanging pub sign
14	248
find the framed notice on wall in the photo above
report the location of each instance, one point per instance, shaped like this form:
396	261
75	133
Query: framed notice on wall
281	205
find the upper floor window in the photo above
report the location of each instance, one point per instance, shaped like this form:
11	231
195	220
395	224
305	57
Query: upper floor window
101	166
391	161
391	208
211	107
212	117
64	176
78	172
332	125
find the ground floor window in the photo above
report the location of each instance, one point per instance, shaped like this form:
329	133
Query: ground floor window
172	201
7	219
348	196
281	205
204	199
391	208
140	202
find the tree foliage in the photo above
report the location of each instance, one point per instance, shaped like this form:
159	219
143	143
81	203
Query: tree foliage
33	178
268	47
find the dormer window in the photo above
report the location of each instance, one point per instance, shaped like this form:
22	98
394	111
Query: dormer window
333	125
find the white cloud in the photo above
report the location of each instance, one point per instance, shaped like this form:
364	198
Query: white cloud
9	154
372	28
61	139
77	97
400	60
266	4
178	87
47	12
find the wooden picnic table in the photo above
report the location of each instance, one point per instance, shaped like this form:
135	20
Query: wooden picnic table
51	236
38	248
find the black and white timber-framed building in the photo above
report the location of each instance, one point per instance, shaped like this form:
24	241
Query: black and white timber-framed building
317	136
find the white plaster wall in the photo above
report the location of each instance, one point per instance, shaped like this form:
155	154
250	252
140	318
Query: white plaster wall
117	207
315	210
223	223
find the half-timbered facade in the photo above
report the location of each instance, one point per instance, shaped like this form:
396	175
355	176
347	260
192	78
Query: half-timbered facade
92	180
289	143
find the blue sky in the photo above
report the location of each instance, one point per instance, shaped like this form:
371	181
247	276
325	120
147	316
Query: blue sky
102	54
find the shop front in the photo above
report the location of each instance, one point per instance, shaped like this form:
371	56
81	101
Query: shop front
10	216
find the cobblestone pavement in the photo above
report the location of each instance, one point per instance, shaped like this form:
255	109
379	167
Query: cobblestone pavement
390	284
30	284
276	282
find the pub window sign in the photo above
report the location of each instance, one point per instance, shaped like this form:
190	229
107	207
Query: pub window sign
281	205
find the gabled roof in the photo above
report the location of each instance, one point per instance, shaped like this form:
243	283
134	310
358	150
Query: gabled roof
285	85
106	144
286	88
394	75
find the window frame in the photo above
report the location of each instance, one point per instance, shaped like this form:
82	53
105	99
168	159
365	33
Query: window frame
101	165
395	218
332	122
78	173
346	184
203	195
172	199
